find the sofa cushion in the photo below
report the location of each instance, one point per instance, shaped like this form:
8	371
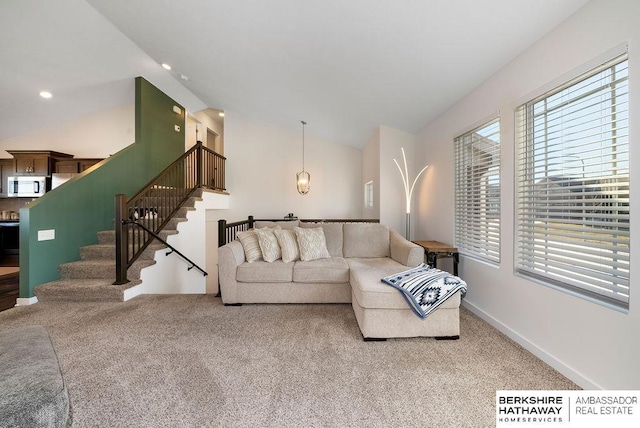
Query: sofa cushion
332	270
285	224
366	240
261	271
288	245
312	244
366	282
250	245
33	392
333	236
268	244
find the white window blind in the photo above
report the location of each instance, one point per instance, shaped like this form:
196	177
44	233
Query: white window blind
572	191
477	192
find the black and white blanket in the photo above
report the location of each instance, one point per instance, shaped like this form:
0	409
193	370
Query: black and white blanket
425	288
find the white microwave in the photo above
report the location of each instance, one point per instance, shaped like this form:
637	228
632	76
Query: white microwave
27	186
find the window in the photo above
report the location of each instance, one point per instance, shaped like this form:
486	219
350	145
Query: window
477	192
572	191
368	194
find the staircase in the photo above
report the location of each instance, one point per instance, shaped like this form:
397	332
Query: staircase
92	277
113	265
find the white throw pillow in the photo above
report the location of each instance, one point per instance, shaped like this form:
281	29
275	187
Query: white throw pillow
268	244
250	245
288	245
312	244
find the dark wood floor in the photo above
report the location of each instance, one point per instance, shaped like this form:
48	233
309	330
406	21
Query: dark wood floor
9	283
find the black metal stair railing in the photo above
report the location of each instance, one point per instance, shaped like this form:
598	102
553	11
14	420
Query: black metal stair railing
172	249
154	206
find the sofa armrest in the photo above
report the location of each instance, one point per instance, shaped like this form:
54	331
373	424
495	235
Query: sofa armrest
230	256
403	251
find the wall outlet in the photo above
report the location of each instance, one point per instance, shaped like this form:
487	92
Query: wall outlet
46	235
177	128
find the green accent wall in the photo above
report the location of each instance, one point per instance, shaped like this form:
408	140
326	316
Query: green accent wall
85	204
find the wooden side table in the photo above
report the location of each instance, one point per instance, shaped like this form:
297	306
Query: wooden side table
435	249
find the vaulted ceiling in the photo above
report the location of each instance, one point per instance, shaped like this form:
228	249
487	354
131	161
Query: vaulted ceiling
344	66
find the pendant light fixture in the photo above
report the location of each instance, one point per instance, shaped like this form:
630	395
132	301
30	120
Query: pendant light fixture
303	179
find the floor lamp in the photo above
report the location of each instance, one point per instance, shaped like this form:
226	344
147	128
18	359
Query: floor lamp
408	191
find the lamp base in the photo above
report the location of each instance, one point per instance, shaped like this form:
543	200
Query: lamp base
408	232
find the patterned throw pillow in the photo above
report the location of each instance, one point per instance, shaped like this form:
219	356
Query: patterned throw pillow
250	245
312	244
268	244
288	245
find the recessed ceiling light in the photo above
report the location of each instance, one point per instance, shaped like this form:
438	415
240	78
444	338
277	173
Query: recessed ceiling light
45	94
221	114
183	77
166	66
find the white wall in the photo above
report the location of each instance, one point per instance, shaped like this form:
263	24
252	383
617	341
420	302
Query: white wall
95	136
262	162
595	346
171	274
371	172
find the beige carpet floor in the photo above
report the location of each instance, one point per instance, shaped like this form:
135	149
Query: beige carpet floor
189	361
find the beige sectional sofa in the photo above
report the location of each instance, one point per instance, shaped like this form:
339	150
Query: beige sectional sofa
361	254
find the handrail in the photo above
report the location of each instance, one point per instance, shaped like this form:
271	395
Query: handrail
160	199
173	249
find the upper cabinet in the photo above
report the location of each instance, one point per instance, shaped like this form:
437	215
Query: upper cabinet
37	162
74	165
7	168
87	163
45	162
32	164
66	166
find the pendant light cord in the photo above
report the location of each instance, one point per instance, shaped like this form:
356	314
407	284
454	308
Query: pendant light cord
303	124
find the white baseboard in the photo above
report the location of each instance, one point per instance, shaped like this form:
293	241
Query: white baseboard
132	292
26	301
558	365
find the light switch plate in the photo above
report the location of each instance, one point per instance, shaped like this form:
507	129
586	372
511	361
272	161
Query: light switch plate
46	235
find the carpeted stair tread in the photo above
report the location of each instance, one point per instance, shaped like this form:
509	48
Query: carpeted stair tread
109	236
152	223
107	251
100	268
83	290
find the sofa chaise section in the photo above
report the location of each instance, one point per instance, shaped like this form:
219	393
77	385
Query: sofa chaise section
382	312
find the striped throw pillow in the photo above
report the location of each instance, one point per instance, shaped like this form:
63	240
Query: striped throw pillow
268	244
288	245
250	245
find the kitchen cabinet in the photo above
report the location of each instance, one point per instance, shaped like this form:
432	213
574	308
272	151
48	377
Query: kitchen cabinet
66	166
32	164
87	163
74	166
36	162
6	171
